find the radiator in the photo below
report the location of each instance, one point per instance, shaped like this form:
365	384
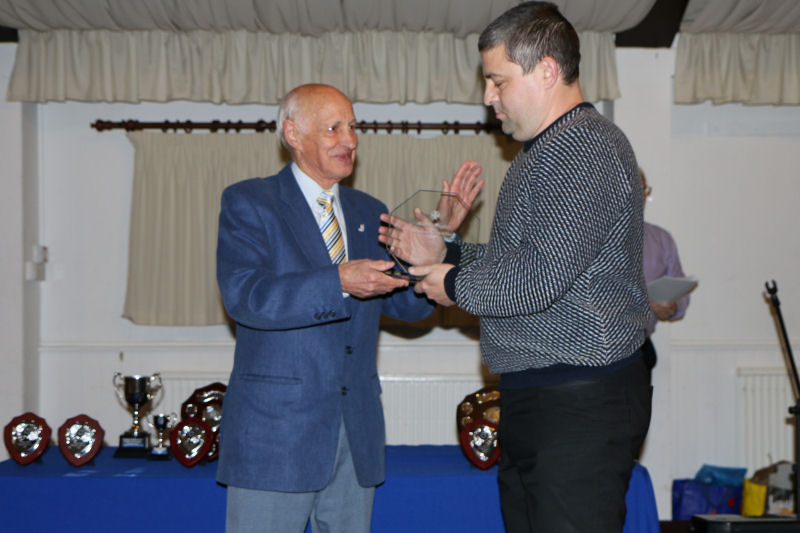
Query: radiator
179	386
768	433
421	410
418	409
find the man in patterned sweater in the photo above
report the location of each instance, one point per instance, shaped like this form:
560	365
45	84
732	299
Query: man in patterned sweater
559	286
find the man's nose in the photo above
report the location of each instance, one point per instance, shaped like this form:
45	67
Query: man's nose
489	94
349	138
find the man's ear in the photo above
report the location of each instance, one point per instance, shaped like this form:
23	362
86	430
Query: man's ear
291	133
550	71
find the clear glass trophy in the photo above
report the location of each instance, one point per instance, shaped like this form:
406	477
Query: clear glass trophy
433	216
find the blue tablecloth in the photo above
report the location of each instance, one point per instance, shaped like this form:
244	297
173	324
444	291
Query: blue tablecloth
428	488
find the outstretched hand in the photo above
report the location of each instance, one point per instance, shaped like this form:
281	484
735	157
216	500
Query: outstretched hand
459	194
365	278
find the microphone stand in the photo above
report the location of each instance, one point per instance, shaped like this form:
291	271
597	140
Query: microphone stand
794	409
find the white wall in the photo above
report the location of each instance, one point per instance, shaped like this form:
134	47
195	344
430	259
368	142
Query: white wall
19	220
725	184
11	258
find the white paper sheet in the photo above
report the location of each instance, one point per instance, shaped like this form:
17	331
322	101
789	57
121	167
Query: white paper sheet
669	289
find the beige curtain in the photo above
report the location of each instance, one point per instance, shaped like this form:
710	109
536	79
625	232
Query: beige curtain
738	67
255	51
238	67
178	180
745	51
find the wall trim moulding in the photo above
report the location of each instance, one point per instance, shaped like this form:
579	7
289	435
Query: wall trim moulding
417	344
215	346
134	347
438	378
735	345
740	345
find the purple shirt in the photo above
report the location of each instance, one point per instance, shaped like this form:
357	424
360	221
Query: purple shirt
661	259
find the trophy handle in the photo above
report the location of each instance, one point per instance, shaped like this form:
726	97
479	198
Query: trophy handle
155	378
155	385
119	385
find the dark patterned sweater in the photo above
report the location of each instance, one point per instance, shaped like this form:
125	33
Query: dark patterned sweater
560	281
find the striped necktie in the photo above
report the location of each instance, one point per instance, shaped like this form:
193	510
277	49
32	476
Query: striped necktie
330	229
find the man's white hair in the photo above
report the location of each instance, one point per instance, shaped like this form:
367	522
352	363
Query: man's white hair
286	111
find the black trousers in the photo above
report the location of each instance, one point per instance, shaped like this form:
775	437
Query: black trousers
649	353
567	451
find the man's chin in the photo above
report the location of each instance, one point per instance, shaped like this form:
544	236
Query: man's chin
344	172
507	128
515	132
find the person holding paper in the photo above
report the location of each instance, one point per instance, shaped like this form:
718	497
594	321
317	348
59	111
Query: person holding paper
660	259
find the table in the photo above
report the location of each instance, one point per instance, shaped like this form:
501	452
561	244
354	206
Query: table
428	489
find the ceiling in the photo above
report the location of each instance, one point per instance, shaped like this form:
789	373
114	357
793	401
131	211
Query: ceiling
658	28
639	23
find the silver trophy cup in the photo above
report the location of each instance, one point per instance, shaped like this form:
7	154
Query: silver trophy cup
137	392
162	424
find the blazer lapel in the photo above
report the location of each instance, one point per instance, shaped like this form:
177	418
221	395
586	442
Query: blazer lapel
300	219
355	219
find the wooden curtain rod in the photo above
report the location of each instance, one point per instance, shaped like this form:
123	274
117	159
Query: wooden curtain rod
216	125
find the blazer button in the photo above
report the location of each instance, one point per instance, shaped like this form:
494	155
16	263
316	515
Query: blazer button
348	350
316	316
344	391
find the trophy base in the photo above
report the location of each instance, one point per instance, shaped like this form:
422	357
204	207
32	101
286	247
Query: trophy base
152	457
133	446
159	453
130	453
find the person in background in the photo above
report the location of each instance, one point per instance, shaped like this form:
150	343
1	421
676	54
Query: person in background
302	274
660	259
559	286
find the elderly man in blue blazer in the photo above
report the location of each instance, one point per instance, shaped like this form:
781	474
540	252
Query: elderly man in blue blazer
303	275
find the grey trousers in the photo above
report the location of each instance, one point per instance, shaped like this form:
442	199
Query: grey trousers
343	506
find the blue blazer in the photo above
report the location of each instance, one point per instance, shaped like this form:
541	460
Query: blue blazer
305	356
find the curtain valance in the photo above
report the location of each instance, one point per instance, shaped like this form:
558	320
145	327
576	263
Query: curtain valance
238	67
745	51
750	68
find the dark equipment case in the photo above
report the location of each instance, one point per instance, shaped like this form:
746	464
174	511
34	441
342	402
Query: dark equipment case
734	523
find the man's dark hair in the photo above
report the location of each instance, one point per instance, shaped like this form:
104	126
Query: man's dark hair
531	31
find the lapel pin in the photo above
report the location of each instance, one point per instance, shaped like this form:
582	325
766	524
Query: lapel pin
361	228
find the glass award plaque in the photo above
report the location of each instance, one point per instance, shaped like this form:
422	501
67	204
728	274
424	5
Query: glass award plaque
79	439
26	437
433	216
478	416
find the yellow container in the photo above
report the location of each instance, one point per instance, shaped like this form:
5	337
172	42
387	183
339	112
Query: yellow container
754	498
